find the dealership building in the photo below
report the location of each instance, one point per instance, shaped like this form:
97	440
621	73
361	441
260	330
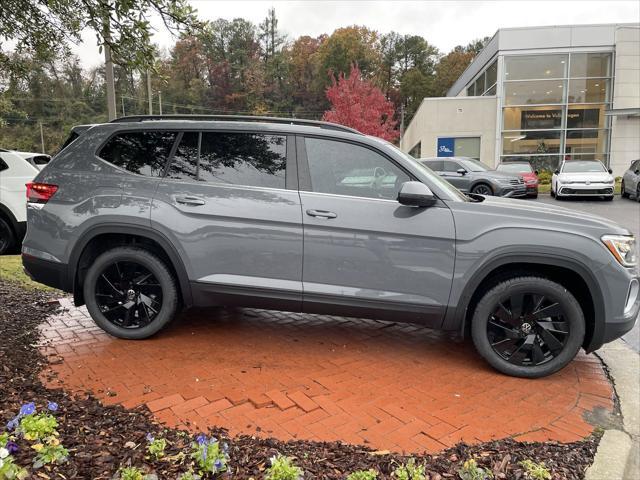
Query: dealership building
540	94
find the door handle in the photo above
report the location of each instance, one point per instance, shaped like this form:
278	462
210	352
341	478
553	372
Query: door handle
189	200
321	214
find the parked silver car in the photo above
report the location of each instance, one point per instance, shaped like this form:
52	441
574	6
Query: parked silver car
143	216
630	185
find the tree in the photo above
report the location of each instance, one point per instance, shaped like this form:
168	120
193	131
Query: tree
43	28
451	66
359	104
349	45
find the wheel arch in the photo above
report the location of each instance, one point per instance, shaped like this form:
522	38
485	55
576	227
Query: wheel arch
570	273
91	244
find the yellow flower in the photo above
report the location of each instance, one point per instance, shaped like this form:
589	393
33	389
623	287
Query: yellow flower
54	441
29	436
37	447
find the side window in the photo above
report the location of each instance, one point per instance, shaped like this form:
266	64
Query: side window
243	159
3	165
450	167
345	169
435	165
184	165
144	153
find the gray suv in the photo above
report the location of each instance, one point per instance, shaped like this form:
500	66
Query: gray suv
144	216
631	181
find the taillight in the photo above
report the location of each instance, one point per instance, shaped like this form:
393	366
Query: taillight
40	192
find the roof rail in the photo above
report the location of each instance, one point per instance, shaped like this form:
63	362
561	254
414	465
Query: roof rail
239	118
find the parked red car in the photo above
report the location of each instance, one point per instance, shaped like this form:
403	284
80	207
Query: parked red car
528	174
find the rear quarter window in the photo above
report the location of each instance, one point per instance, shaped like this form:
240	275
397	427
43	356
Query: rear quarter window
144	153
3	165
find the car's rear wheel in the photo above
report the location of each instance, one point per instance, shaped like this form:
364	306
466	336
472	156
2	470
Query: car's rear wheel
553	194
130	293
482	189
638	193
7	238
528	327
623	191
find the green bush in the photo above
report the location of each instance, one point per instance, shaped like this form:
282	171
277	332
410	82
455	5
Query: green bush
410	471
282	468
545	177
471	471
535	471
363	475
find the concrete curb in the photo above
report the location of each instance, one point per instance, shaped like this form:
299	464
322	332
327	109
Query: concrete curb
619	450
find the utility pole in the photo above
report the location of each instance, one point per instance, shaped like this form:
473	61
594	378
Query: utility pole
108	73
41	137
149	94
122	100
160	101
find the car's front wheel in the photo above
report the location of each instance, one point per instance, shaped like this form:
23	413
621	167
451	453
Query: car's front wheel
482	189
130	293
623	190
528	327
7	238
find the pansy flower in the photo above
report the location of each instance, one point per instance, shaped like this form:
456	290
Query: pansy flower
28	408
52	406
12	447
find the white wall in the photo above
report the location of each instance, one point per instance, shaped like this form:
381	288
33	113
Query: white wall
625	130
453	117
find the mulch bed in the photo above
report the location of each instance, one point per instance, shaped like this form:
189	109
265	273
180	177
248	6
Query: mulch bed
103	438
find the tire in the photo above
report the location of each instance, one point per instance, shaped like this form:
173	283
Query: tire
7	237
136	260
623	192
482	189
638	193
486	327
533	195
553	194
608	199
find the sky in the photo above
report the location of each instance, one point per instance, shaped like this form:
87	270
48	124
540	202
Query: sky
443	24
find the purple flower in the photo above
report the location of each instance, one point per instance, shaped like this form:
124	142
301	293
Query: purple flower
12	424
150	438
52	406
201	439
11	447
217	464
28	408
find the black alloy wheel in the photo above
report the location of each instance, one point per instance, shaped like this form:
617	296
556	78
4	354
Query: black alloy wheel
527	329
6	236
528	326
482	189
128	294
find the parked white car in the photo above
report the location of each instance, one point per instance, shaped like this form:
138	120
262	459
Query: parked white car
582	178
38	160
15	173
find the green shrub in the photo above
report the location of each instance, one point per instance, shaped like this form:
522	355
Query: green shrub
156	446
131	473
410	471
363	475
282	468
535	471
545	177
37	425
210	456
471	471
49	452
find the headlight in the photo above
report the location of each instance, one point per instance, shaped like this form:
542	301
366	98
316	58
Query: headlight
623	247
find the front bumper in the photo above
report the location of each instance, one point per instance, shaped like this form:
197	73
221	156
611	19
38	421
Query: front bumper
510	191
581	189
52	274
618	326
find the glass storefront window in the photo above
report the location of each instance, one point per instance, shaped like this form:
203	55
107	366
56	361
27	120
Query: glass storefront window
470	90
583	116
593	90
591	64
492	74
480	85
532	118
534	92
467	147
537	162
539	141
589	156
491	91
521	67
586	141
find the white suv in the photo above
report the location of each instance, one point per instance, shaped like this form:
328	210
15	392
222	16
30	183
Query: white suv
15	173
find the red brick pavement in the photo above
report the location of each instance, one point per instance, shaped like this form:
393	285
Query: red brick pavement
389	386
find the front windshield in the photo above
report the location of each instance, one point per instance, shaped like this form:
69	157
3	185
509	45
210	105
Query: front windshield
472	165
427	172
515	167
583	166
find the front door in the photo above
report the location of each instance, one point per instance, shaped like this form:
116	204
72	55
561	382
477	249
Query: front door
450	172
364	253
228	203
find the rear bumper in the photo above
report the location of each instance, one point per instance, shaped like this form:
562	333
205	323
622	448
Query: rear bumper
52	274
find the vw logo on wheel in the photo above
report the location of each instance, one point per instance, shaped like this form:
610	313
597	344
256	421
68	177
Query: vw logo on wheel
526	327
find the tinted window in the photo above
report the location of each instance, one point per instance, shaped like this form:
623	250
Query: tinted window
450	166
144	153
243	159
576	166
346	169
41	159
471	165
3	166
435	165
184	165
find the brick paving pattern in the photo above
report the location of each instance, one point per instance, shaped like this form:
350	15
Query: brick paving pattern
389	386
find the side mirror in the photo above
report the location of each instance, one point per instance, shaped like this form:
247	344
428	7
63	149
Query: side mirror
416	194
536	172
610	171
557	172
461	171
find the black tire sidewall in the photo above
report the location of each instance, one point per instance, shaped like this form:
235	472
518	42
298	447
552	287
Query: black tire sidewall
155	266
538	285
8	245
480	185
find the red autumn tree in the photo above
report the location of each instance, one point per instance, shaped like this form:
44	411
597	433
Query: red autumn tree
359	104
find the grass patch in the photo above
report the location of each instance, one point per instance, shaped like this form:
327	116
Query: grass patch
11	271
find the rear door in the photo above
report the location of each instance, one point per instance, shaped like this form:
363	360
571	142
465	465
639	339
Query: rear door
229	201
364	253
